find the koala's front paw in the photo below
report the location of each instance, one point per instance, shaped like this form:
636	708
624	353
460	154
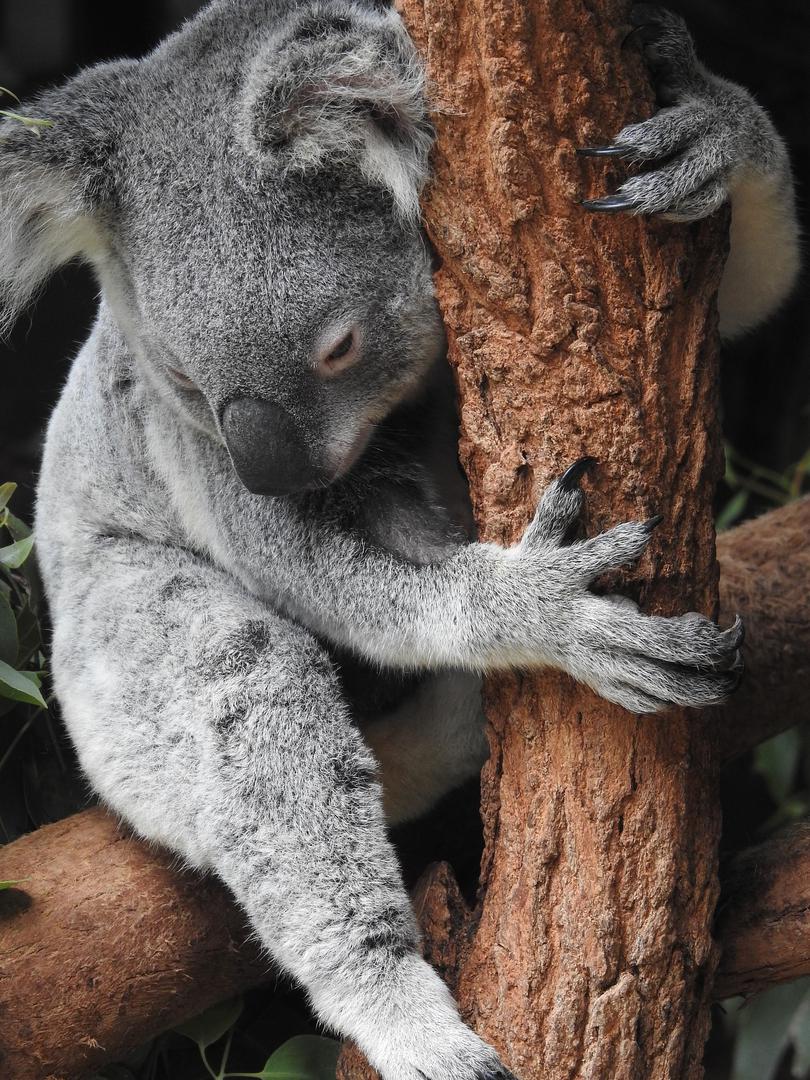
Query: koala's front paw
708	135
641	662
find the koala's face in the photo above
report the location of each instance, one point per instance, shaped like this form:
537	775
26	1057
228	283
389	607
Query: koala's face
248	195
287	319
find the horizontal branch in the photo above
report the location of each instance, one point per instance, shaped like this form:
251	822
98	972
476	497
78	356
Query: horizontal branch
106	942
764	570
764	925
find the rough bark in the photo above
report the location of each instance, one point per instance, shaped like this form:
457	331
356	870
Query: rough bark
764	924
765	568
105	943
592	954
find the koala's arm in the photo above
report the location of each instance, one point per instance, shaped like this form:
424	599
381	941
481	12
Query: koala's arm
715	144
488	607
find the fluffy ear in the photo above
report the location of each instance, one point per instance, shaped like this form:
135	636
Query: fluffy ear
54	175
341	82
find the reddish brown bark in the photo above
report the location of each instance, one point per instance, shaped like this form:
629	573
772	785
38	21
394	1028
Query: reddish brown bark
571	335
765	924
104	944
765	570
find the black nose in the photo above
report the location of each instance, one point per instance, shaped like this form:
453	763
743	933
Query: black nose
267	448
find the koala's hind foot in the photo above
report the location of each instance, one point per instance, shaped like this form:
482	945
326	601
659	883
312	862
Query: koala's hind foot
709	133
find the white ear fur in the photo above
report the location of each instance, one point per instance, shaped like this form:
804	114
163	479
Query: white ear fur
43	225
342	83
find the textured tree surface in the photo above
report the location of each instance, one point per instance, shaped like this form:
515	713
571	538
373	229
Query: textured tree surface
592	955
764	571
104	944
765	921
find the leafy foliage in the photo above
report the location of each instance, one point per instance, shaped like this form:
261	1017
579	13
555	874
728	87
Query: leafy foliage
21	658
749	481
304	1057
770	1029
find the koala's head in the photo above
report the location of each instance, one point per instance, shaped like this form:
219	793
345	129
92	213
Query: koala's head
248	196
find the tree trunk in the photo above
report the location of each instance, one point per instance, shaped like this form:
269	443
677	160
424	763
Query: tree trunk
591	954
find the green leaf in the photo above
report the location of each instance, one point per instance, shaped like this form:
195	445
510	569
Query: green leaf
28	632
732	511
799	1034
33	123
777	761
18	529
765	1031
14	555
306	1057
211	1025
20	686
9	641
6	490
11	884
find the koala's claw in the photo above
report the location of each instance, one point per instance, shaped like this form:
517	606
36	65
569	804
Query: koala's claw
610	204
603	151
573	474
709	131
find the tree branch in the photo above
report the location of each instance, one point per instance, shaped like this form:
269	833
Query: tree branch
764	925
765	567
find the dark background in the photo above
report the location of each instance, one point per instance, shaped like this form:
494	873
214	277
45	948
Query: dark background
766	385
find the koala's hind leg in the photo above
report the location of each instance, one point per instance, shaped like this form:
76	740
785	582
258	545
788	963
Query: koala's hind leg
219	729
430	744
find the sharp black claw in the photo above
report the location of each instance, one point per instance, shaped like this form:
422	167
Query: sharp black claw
574	473
603	151
653	522
610	204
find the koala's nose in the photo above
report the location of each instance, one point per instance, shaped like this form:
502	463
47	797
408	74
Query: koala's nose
267	448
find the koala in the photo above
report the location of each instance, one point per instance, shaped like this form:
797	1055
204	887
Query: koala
270	611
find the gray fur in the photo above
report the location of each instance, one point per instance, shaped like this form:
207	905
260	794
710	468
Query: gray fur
712	143
246	194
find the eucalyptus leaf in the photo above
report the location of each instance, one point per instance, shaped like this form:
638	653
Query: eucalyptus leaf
732	511
765	1031
6	490
14	555
209	1026
306	1057
20	685
28	632
18	529
799	1034
9	640
777	761
10	884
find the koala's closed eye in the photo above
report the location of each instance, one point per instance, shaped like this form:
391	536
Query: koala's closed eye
339	355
